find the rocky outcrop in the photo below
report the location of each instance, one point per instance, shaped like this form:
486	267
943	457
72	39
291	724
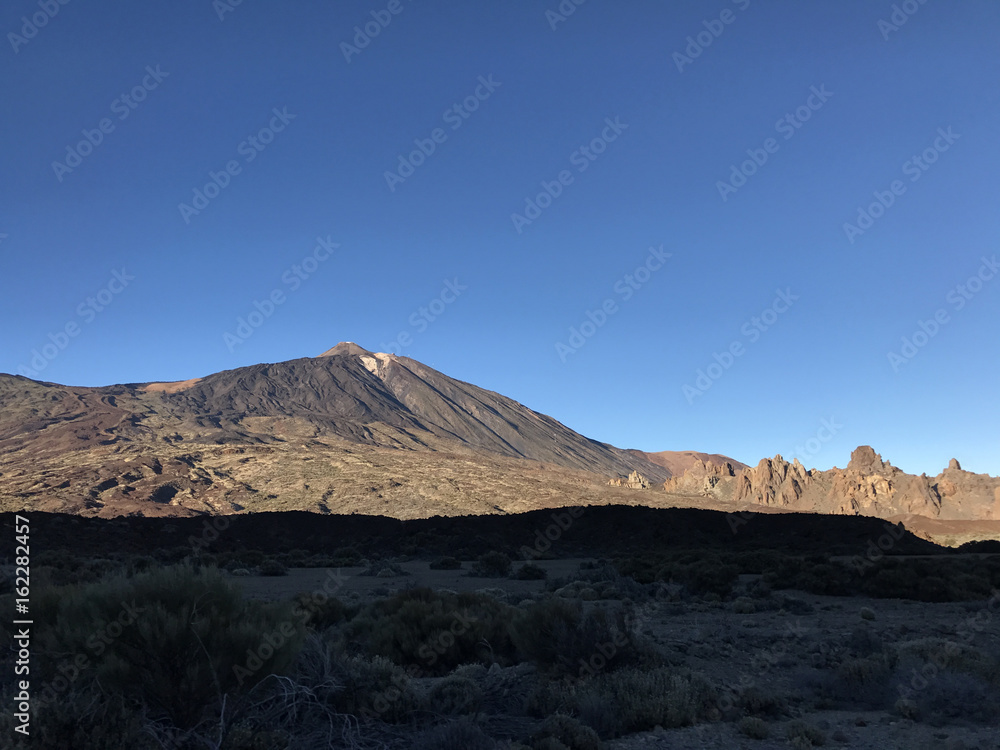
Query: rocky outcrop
965	494
868	486
634	481
704	478
872	487
773	481
865	460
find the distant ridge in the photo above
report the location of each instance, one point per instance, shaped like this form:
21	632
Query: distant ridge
677	462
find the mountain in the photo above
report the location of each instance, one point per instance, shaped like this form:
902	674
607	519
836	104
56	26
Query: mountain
868	486
306	432
352	431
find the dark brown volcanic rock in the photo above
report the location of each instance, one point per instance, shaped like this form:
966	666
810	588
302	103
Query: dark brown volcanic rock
611	530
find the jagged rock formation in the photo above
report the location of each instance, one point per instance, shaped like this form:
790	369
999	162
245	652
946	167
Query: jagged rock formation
868	486
705	478
634	481
872	487
772	482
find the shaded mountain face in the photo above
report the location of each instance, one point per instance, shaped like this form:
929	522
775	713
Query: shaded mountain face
382	399
173	444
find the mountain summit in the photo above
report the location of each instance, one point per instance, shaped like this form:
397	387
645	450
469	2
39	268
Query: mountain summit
346	347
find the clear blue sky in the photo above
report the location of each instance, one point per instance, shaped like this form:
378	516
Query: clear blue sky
884	93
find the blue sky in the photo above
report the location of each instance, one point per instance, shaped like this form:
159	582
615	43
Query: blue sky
323	199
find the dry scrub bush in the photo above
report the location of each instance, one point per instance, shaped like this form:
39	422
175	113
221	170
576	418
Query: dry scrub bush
434	631
182	633
560	731
754	728
559	637
642	699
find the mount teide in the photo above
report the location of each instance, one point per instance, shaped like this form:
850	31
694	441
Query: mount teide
352	431
309	433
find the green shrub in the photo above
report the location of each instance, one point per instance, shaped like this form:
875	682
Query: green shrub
803	735
893	582
559	638
384	569
435	631
754	728
530	572
545	697
866	681
700	572
371	687
272	568
346	557
595	709
84	719
318	610
455	695
139	563
249	558
458	735
709	577
296	558
954	656
642	699
757	702
492	565
176	639
568	732
957	697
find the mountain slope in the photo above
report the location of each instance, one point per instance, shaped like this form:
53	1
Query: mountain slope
98	449
678	462
382	399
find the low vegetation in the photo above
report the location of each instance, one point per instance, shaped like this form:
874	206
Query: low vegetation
173	654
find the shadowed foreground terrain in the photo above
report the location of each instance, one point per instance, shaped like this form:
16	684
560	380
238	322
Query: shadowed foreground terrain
603	627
